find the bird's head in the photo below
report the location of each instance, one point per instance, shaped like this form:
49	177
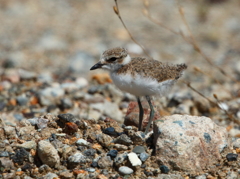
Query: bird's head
113	59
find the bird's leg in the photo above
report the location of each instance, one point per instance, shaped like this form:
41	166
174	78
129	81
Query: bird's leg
151	114
140	113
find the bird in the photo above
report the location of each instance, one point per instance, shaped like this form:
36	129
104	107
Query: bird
140	76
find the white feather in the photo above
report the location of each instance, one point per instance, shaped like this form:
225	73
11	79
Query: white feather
141	86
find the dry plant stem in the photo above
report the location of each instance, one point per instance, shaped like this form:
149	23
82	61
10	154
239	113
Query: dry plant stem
117	12
231	117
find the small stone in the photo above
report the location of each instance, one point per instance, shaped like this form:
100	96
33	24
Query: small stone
82	142
20	156
144	156
112	153
104	140
47	153
120	147
6	163
70	128
110	131
201	177
232	157
123	139
120	158
125	170
89	152
138	149
41	122
67	117
164	169
236	143
4	154
105	162
66	174
22	100
94	164
133	158
28	145
90	169
50	176
76	159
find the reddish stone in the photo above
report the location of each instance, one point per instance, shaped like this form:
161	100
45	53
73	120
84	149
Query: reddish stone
132	115
70	128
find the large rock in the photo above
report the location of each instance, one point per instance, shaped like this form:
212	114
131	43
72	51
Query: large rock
189	143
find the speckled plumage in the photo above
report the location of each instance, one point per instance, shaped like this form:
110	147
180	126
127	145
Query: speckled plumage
152	68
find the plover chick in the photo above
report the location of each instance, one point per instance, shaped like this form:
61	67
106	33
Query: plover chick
140	76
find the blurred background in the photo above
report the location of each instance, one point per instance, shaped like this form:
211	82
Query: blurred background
58	40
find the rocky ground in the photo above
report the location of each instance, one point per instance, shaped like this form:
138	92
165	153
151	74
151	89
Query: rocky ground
59	120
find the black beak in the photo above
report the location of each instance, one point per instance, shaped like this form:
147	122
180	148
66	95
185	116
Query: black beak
96	66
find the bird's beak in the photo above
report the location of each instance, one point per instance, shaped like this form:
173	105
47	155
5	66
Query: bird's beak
96	66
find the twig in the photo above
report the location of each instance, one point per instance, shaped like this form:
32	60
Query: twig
117	12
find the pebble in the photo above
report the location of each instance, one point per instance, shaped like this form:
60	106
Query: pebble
112	153
50	176
82	142
138	149
144	156
123	139
232	157
110	131
133	158
94	164
47	153
104	140
41	123
120	147
22	100
4	154
201	177
120	158
90	169
28	145
125	170
6	163
75	159
67	117
90	152
105	162
236	143
20	156
164	169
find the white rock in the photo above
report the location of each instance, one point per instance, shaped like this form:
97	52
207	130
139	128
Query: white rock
47	153
125	170
82	142
133	158
189	143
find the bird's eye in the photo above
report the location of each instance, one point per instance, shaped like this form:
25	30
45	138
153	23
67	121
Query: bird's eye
112	59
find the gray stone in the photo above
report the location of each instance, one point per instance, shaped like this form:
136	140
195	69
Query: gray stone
48	154
10	132
50	176
123	139
4	154
105	162
104	139
76	159
236	143
182	140
41	122
27	75
120	158
6	163
133	158
125	170
138	149
22	100
144	156
90	169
